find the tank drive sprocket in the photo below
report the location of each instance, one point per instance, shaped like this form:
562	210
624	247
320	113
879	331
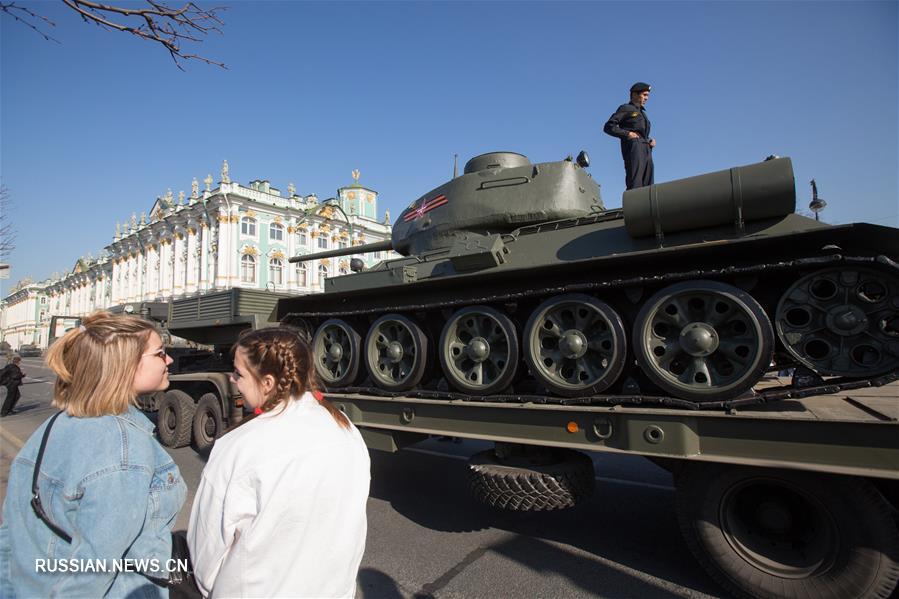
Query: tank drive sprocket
842	321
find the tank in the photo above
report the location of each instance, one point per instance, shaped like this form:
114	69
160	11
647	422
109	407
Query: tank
514	281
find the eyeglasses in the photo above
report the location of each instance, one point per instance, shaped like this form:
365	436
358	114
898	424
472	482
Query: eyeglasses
160	353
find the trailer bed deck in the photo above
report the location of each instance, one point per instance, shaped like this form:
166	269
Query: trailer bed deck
855	433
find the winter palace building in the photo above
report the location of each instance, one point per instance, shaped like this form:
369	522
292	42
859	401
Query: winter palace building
233	235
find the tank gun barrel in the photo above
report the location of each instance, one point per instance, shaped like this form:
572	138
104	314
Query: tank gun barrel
365	248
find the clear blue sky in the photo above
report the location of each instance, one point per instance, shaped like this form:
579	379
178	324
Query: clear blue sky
97	126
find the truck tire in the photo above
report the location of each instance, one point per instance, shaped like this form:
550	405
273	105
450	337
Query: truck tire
208	421
779	533
173	422
531	488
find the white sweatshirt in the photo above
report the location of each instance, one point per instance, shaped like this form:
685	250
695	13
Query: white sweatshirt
280	510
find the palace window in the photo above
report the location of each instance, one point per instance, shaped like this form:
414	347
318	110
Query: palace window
322	274
322	242
275	232
342	244
248	226
302	241
344	271
301	275
276	271
248	268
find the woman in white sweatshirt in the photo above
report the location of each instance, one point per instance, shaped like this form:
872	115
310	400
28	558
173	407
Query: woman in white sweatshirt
280	510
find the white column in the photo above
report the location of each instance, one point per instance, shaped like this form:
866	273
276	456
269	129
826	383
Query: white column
222	272
141	283
192	276
126	280
290	276
102	280
178	275
114	282
205	275
135	278
165	287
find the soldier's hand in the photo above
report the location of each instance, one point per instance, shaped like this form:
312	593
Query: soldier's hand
652	143
632	135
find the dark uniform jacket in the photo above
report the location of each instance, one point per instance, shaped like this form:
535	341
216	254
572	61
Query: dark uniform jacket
11	375
628	118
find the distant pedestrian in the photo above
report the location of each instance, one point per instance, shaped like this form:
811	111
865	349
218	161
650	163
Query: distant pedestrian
107	493
11	377
631	125
280	510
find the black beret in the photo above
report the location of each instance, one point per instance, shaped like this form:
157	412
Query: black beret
640	87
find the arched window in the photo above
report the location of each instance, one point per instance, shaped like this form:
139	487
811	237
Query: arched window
301	274
248	268
248	226
302	241
322	274
275	232
276	271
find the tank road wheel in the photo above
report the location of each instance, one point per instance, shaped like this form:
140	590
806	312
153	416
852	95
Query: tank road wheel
575	345
479	350
842	321
336	347
174	419
703	340
396	352
784	533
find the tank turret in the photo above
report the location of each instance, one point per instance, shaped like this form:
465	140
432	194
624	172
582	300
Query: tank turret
498	192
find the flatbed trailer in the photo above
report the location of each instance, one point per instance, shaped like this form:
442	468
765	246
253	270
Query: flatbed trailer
793	498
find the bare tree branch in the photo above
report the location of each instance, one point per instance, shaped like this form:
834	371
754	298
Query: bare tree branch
157	22
27	17
7	233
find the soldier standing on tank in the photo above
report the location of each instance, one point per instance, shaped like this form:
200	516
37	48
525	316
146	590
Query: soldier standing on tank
631	125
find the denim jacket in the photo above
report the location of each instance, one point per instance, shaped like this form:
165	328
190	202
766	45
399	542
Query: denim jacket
112	487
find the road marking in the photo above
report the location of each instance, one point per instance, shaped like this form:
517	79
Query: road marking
11	438
606	479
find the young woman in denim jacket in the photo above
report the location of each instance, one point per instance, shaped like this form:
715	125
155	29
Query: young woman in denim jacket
104	479
280	509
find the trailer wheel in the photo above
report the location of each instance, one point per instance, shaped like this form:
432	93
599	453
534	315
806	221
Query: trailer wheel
512	485
208	425
779	533
176	412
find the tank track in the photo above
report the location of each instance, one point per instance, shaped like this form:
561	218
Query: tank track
797	390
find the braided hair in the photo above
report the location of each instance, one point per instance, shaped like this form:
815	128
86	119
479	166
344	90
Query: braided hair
283	353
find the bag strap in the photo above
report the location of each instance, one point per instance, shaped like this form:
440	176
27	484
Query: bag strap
35	494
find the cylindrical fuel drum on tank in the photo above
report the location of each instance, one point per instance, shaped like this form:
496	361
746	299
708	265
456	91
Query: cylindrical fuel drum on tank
744	193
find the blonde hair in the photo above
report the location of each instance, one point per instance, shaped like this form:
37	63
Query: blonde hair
95	364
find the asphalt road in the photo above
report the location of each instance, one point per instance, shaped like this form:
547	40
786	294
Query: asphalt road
428	538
